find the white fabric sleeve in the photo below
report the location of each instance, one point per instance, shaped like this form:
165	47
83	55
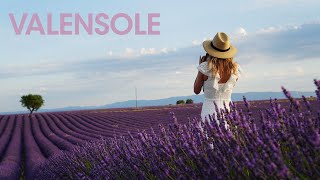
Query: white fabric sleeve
203	68
240	71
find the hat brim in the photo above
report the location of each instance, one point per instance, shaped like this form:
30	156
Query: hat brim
213	52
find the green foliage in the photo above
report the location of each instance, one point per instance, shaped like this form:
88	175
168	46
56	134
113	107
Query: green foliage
181	102
311	98
189	101
32	102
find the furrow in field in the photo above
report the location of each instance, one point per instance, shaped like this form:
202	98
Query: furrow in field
3	124
69	129
76	127
56	140
95	125
54	128
86	126
33	155
46	146
10	164
6	135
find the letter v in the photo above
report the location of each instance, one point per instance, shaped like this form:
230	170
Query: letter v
17	29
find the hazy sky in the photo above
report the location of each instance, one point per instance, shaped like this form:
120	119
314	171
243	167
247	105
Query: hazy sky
278	43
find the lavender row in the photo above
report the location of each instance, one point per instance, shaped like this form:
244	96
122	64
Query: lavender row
6	135
60	133
33	155
3	124
11	159
69	128
56	140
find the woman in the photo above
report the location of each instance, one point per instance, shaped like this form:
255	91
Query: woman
217	74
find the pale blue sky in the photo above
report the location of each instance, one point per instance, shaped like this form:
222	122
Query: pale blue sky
278	44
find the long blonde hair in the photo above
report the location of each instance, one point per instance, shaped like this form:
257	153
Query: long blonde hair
222	65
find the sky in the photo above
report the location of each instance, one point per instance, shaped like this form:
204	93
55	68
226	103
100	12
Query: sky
278	44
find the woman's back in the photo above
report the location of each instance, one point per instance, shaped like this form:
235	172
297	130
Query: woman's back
215	91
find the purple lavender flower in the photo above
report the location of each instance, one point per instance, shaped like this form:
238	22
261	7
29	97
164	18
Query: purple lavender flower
267	143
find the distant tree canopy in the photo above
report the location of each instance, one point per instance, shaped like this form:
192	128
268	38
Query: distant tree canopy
32	102
189	101
181	102
311	98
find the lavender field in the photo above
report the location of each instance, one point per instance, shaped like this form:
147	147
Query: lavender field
30	144
27	142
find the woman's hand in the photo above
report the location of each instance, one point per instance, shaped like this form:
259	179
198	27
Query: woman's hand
202	59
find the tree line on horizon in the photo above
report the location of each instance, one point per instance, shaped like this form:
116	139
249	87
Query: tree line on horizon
33	102
181	101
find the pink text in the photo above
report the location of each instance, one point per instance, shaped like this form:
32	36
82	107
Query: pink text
75	24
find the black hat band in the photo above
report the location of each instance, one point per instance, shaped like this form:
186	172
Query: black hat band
221	50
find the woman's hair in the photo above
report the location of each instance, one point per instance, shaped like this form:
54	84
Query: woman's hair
222	65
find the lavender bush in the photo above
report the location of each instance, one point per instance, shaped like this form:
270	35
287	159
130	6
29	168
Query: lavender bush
281	143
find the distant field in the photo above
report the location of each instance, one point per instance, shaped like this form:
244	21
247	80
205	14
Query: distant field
26	143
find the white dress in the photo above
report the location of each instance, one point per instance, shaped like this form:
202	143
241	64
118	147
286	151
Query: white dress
216	92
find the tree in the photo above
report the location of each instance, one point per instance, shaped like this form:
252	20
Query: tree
311	98
32	102
180	102
189	101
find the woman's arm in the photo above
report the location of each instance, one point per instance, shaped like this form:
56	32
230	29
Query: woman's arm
198	83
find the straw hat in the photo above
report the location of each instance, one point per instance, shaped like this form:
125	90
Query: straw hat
220	46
